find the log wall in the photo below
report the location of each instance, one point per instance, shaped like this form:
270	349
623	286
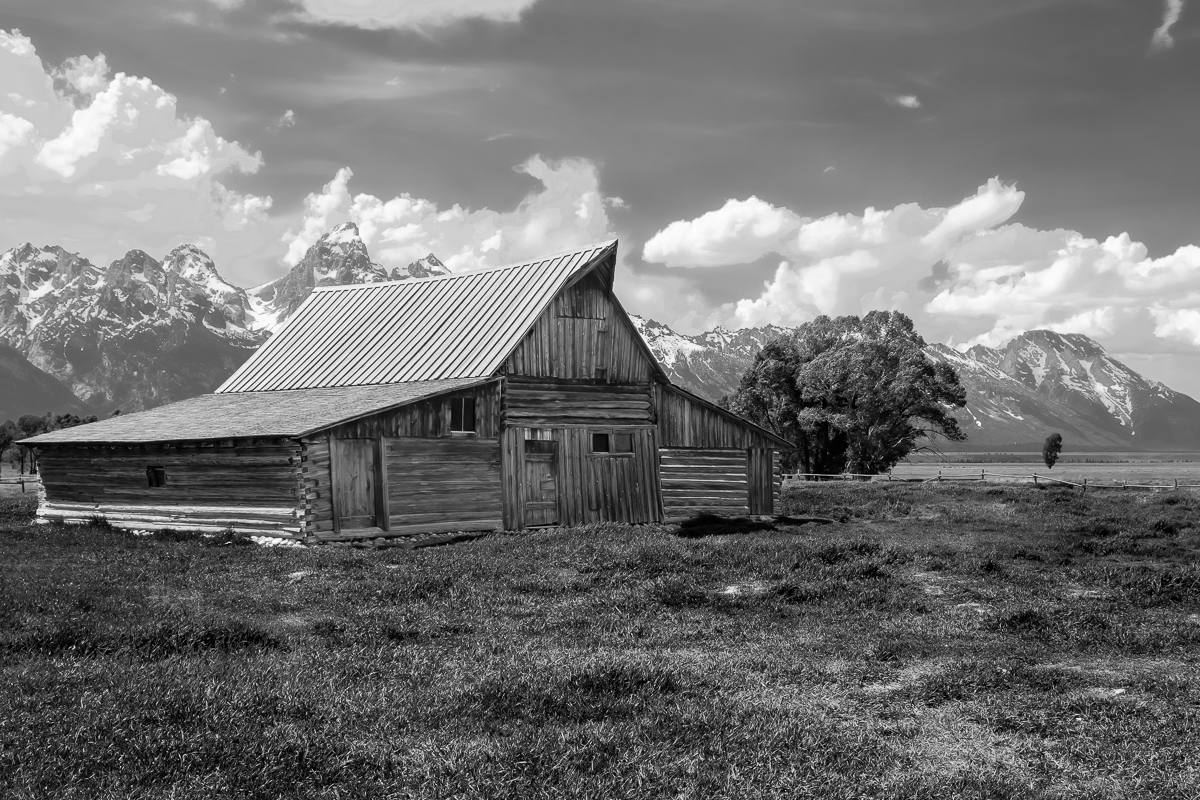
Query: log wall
709	481
543	402
249	486
583	334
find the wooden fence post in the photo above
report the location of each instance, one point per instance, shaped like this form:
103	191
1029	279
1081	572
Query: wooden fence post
1035	483
1084	486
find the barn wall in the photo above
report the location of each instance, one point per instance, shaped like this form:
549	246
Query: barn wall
684	421
427	418
252	487
582	334
542	402
432	485
591	487
704	481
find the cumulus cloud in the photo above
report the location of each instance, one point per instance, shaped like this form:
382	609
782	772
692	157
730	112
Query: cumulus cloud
567	212
102	163
1162	39
907	101
378	14
964	272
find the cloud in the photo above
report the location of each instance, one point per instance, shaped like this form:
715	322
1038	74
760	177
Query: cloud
286	121
102	163
907	101
965	273
1162	40
568	211
738	232
380	14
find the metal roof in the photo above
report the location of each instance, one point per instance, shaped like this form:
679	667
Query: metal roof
447	326
242	415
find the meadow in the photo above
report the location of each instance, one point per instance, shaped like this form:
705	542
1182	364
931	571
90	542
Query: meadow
953	640
1099	467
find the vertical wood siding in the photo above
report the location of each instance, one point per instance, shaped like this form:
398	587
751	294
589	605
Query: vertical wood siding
684	421
428	418
760	474
704	481
582	334
590	487
250	486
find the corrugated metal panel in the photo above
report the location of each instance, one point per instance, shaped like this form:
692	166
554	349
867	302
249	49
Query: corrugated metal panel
239	415
453	326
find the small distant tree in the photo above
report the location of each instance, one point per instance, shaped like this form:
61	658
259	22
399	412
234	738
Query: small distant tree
1051	448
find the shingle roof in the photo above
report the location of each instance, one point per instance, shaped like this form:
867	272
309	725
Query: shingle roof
452	326
238	415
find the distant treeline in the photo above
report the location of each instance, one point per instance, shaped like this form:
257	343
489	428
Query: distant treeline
11	434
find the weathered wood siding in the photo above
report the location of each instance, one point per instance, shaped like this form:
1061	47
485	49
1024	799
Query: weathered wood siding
432	485
542	402
316	485
590	487
685	421
760	464
249	486
428	418
582	334
698	481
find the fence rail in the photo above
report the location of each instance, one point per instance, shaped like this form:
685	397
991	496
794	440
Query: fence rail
31	480
983	476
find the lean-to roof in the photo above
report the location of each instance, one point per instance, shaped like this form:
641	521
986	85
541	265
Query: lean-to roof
241	415
448	326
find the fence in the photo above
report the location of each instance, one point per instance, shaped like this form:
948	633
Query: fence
32	480
1008	477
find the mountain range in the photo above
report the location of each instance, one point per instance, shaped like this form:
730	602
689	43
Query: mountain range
1038	383
144	332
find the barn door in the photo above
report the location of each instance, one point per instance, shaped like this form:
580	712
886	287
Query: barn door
539	485
356	484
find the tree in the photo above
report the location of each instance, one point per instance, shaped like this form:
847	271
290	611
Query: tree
1051	448
853	394
8	434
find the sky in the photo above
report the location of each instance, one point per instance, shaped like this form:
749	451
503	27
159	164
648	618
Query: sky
986	167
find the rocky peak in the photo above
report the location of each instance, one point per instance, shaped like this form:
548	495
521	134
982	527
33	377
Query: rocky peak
421	268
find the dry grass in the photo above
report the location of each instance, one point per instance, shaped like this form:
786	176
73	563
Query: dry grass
941	642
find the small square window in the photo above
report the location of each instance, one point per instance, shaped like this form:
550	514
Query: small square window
156	476
622	442
600	443
462	414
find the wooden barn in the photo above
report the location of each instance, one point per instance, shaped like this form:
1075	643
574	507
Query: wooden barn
506	397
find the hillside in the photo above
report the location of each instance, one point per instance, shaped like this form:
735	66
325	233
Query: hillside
25	389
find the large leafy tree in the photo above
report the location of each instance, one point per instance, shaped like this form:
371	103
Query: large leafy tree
853	394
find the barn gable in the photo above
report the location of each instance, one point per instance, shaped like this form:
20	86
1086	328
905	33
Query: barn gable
462	325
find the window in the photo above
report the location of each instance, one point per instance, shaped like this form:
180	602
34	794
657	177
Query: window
611	442
539	446
462	414
156	476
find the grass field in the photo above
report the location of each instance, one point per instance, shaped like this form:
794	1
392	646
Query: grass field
940	641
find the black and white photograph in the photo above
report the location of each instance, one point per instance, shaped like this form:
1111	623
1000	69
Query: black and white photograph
707	399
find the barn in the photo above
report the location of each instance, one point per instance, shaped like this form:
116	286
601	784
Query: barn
499	398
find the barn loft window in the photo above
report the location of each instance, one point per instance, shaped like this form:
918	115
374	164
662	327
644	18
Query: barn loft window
611	442
156	476
462	414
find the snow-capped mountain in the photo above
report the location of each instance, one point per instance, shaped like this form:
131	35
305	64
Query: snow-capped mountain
143	332
709	364
25	389
1040	382
339	257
